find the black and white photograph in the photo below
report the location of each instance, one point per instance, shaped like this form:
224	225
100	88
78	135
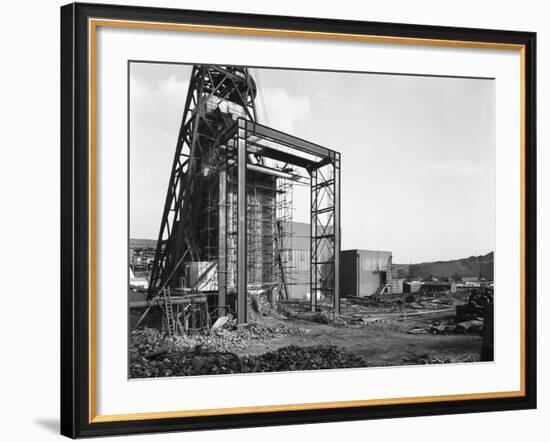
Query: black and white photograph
285	219
274	221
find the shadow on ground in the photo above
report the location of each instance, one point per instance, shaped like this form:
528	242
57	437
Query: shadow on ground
51	424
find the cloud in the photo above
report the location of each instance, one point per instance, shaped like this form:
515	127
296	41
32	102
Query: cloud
283	110
160	105
173	86
155	117
162	88
155	105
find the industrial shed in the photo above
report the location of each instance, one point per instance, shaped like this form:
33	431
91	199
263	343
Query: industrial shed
412	286
366	272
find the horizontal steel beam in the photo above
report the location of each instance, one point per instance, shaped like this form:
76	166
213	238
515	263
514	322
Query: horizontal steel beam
281	137
160	301
285	157
273	172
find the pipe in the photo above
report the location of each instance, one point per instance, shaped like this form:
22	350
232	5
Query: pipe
273	172
159	301
269	171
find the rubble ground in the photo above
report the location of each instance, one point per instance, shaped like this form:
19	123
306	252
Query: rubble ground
368	334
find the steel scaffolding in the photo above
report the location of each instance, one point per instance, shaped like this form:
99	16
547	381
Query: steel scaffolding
230	201
214	96
325	234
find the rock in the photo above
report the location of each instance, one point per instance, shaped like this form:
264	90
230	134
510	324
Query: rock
417	331
473	325
220	322
441	328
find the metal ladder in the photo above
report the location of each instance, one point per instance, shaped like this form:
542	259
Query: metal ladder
169	312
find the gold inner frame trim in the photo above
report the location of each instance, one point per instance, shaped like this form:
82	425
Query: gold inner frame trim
93	24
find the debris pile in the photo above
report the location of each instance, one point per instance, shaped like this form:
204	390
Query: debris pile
445	327
359	312
427	359
268	343
148	345
302	311
201	362
258	304
189	363
293	358
225	338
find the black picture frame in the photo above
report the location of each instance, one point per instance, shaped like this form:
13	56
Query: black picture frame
75	220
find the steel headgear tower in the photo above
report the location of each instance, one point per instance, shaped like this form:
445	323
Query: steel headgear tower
217	95
226	229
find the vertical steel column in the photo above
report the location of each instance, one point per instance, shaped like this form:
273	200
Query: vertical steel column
241	221
313	242
337	234
222	240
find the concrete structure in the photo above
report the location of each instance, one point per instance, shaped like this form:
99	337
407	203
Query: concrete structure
365	272
397	286
412	286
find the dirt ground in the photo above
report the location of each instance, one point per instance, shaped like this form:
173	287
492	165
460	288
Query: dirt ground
401	330
383	343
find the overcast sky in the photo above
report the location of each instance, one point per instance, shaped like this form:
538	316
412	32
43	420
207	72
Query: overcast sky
418	153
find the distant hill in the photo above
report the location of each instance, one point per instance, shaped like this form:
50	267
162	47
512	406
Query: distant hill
444	269
143	243
440	269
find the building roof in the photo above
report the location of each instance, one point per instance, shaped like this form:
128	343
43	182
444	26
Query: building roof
368	252
439	283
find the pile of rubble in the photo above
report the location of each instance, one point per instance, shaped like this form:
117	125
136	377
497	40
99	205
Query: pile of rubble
360	312
468	319
427	359
450	326
401	303
293	358
201	362
147	345
230	337
187	363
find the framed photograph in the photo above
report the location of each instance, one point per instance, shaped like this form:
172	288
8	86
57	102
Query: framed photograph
274	220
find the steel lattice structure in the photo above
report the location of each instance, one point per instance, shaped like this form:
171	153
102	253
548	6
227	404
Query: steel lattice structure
180	237
213	212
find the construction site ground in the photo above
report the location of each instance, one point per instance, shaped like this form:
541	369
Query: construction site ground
398	330
383	343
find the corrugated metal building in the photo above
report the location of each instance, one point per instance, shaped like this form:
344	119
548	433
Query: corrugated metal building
298	272
364	272
299	262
